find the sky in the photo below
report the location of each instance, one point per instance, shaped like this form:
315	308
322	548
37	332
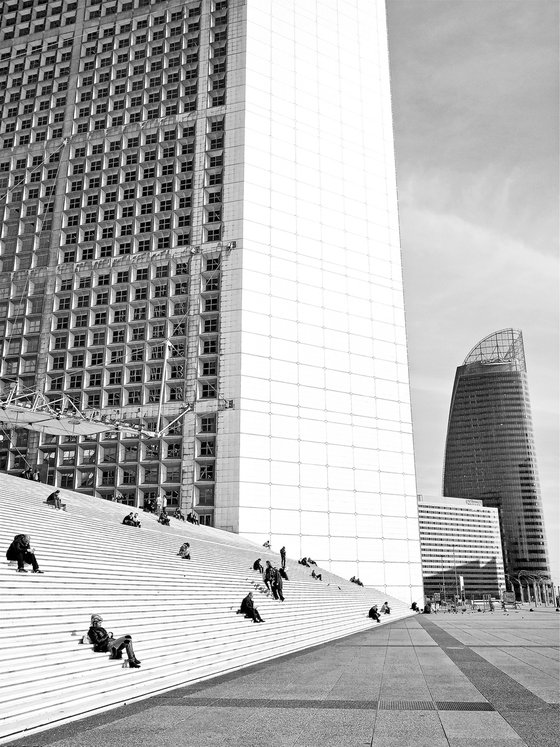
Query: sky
475	109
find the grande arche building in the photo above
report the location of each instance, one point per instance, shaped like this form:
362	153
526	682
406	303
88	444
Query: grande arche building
200	237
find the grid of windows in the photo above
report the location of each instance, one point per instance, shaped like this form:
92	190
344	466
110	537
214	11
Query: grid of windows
490	449
458	539
100	224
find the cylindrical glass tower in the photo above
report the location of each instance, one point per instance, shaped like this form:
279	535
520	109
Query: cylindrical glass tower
490	449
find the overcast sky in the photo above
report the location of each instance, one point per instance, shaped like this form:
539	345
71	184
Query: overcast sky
475	106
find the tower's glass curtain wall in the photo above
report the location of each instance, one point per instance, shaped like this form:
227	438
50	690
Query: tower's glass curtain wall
490	450
200	236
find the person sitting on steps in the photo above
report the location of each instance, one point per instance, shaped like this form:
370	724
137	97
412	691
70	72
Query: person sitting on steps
21	550
185	551
257	566
129	520
303	561
54	499
248	609
374	614
385	609
163	518
178	514
104	641
318	576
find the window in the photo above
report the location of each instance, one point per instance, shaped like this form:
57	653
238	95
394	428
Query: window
97	359
160	291
113	399
207	447
206	472
209	368
208	390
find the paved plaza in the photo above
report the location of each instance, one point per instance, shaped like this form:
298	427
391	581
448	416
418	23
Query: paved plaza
461	680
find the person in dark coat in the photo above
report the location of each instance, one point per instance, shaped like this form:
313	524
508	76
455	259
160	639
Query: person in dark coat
257	566
277	585
163	518
318	576
20	550
55	498
283	557
104	641
374	614
129	520
248	609
268	575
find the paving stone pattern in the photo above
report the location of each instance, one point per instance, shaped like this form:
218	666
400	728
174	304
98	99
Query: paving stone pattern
441	681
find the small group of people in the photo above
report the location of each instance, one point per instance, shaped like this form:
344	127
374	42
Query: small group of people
178	514
131	520
185	551
150	506
192	518
356	580
104	642
31	474
307	562
21	551
376	613
163	518
273	578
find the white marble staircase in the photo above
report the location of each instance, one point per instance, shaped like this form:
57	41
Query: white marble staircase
181	613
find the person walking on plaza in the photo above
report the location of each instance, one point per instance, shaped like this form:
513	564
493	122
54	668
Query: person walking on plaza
283	557
21	550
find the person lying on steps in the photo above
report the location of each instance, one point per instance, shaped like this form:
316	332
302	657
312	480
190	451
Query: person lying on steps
104	641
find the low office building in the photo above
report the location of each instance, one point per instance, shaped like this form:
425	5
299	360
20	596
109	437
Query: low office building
461	547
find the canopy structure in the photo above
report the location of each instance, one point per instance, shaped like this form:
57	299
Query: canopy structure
503	346
59	418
